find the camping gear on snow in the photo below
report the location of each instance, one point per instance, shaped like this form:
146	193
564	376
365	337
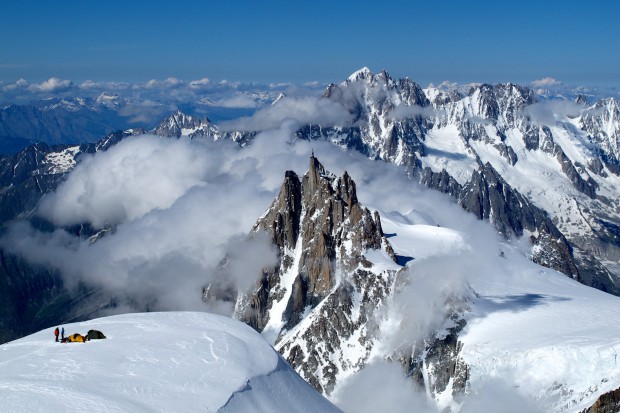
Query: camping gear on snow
76	338
94	335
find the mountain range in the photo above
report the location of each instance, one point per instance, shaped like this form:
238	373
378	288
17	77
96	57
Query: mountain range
354	285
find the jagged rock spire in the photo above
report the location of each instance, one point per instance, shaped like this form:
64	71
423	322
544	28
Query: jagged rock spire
323	234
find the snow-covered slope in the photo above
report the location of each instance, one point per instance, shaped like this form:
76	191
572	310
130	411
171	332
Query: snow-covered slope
528	165
164	362
552	339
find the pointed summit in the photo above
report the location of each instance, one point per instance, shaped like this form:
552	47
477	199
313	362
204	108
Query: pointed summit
324	236
316	171
363	73
180	124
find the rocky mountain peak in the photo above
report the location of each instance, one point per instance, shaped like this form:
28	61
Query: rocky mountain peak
180	124
362	74
111	101
501	103
323	276
602	123
582	99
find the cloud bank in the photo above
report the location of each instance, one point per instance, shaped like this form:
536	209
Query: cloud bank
126	182
52	85
297	110
548	112
172	90
546	82
178	207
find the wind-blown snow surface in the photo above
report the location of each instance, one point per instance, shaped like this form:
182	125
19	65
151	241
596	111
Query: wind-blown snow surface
552	339
164	362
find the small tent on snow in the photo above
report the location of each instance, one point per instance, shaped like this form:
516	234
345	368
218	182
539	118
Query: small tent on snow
76	338
94	335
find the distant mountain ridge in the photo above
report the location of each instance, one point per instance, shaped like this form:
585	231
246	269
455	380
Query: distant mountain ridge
554	180
323	305
556	183
60	121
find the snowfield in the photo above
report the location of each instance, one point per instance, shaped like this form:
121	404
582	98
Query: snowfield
551	338
159	362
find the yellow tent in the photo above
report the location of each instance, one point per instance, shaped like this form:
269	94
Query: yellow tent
76	338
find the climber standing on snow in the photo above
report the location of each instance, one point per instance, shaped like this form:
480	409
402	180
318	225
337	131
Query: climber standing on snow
56	334
62	334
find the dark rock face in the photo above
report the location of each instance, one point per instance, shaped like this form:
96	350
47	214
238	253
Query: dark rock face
23	292
439	354
489	197
607	403
323	276
588	187
602	123
551	250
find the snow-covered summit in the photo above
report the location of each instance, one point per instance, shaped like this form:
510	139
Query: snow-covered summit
176	361
506	154
363	73
180	124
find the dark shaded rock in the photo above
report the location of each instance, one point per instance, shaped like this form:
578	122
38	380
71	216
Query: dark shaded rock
435	362
606	403
588	186
321	212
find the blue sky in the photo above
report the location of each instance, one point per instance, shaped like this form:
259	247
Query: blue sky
299	41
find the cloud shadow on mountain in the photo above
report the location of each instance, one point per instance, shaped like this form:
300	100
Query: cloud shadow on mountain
439	153
515	302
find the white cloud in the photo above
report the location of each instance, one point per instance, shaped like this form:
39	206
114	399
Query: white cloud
238	100
298	111
52	85
104	86
381	386
496	395
200	83
19	84
181	206
168	91
546	82
168	83
126	182
548	112
229	85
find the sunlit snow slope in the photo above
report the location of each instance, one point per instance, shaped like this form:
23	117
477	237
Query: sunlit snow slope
163	362
553	339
